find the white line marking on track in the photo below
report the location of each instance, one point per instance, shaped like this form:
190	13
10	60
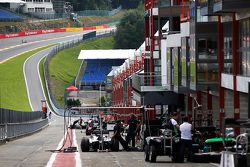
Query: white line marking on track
27	88
11	47
38	73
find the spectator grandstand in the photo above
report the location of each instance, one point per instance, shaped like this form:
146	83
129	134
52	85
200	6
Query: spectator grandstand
97	70
99	64
9	16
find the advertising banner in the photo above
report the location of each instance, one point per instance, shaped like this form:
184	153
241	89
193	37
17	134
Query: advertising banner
52	30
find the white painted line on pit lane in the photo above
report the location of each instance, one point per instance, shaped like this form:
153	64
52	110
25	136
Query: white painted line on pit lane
77	154
215	164
53	156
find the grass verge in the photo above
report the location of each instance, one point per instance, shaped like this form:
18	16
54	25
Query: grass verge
13	93
64	66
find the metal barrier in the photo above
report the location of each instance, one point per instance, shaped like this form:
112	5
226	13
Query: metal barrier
99	12
17	123
11	116
16	130
2	132
52	16
13	130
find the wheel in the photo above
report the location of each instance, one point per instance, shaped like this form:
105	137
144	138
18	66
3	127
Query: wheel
85	144
114	145
153	154
146	153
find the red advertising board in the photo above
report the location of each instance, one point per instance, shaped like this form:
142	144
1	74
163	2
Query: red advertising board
35	32
47	31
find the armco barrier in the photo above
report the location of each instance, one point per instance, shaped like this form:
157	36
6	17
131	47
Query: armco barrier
11	116
14	130
17	123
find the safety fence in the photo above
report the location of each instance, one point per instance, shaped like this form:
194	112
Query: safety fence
99	12
52	16
64	45
17	123
11	116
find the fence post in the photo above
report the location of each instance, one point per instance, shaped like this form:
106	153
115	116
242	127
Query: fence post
5	124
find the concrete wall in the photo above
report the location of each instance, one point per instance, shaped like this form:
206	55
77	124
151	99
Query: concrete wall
243	105
229	108
215	110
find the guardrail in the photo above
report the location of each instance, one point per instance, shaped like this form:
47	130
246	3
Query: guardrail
11	116
17	123
14	130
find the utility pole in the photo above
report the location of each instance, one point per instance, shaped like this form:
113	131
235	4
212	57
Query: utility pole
100	91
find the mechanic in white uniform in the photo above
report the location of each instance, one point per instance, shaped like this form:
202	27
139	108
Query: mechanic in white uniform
186	139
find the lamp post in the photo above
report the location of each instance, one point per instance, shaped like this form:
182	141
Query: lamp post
195	109
100	91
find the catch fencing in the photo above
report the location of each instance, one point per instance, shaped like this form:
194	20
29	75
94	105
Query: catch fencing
53	16
17	123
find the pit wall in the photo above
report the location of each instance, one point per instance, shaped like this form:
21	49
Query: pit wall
48	31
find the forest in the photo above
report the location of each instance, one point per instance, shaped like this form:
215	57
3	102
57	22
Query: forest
79	5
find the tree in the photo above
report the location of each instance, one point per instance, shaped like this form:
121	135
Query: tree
103	102
115	3
73	103
80	5
130	4
130	31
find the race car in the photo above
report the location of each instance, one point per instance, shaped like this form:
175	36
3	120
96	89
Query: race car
99	140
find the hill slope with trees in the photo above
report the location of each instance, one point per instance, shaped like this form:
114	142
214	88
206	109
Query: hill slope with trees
130	31
79	5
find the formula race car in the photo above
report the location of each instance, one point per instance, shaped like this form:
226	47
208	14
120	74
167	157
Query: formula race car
158	146
99	140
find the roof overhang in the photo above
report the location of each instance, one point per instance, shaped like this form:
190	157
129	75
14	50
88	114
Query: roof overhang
12	1
106	54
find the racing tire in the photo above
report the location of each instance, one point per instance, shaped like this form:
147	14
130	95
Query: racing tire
146	153
153	154
115	145
85	144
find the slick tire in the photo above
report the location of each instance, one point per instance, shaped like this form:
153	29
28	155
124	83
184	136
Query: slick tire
85	144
